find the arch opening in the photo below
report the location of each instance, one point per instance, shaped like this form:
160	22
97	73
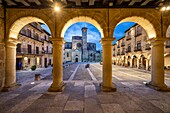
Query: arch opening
20	23
82	19
142	22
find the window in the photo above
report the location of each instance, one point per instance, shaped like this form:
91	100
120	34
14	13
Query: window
29	61
128	35
29	48
45	37
28	33
129	47
36	36
18	47
67	54
138	30
167	44
139	45
47	49
23	31
37	50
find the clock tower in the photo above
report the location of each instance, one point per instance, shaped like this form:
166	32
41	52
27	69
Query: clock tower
84	38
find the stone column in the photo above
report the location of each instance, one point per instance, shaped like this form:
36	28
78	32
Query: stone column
10	68
131	64
126	62
137	61
58	84
147	64
107	84
157	62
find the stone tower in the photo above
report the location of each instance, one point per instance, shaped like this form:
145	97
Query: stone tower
84	38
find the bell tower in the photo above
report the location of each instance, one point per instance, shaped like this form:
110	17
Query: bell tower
84	38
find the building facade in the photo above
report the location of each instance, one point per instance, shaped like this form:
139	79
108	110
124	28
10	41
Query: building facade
35	47
79	50
134	49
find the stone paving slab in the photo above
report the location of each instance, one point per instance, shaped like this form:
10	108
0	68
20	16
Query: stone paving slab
112	108
74	106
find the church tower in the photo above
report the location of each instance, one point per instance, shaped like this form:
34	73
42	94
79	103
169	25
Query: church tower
84	38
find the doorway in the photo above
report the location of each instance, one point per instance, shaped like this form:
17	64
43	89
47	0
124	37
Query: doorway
77	60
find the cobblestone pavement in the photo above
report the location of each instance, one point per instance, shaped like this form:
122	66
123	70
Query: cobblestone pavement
82	94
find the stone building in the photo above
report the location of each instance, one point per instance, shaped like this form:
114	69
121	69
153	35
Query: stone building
135	51
34	47
79	50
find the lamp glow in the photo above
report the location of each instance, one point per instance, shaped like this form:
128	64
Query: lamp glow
168	8
163	8
56	8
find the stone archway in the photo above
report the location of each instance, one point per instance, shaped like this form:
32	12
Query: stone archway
106	45
156	38
148	26
11	42
82	19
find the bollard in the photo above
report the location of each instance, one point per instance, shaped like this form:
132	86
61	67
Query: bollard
37	77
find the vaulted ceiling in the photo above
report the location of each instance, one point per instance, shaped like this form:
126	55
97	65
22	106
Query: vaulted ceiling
84	3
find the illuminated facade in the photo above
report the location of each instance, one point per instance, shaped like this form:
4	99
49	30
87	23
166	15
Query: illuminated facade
35	47
135	51
79	50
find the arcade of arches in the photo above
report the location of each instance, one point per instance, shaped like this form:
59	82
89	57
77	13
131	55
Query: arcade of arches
105	20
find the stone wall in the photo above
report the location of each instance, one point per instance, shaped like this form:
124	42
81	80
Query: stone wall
2	49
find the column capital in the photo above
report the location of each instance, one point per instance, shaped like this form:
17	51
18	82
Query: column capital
107	40
12	42
59	41
157	41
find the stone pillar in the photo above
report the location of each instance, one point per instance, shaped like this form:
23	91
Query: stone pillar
131	64
10	68
157	62
137	61
58	84
147	64
107	84
126	62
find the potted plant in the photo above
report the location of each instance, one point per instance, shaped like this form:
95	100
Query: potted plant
33	67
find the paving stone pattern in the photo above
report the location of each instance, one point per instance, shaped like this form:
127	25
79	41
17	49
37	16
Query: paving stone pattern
84	96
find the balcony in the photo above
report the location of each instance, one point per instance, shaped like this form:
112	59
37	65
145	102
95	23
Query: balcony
148	47
24	51
30	37
122	53
128	50
122	44
137	49
138	34
167	46
128	37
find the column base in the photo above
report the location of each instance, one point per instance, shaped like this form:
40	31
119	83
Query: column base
11	87
58	88
158	88
112	88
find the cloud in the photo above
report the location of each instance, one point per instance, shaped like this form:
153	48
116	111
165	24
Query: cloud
93	35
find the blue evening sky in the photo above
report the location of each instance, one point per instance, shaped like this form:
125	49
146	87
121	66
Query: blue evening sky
93	35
